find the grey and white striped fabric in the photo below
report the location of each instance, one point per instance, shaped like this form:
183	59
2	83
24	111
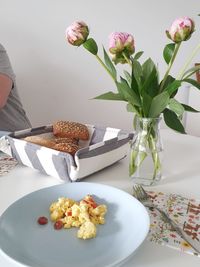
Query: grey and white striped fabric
105	147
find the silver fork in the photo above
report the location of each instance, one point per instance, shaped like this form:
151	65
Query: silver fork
143	197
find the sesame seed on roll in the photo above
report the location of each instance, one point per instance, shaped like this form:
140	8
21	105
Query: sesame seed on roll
70	129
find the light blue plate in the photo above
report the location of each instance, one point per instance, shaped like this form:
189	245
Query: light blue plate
27	242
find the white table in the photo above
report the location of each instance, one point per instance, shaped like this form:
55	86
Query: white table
181	175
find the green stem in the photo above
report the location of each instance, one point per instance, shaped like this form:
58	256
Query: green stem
145	141
170	66
155	156
127	59
136	159
190	74
105	67
181	73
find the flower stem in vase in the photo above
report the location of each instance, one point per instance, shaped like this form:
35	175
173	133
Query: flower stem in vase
145	162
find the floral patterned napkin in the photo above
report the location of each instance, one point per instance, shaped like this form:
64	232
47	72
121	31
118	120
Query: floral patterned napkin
184	211
7	163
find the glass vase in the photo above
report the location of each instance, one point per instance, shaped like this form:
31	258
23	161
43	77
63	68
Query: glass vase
145	162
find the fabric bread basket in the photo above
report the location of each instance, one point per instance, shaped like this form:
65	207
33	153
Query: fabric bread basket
104	147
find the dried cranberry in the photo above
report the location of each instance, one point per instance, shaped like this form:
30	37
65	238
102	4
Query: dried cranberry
58	225
42	220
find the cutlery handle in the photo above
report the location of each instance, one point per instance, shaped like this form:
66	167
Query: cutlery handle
195	244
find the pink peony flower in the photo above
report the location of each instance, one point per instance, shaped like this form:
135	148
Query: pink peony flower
118	41
77	33
181	29
121	43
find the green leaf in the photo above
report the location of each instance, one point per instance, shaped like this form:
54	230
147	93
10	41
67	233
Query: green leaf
128	77
176	107
109	64
172	121
110	96
134	84
172	87
147	67
137	72
189	108
193	82
128	94
131	108
168	52
147	100
138	55
168	81
91	46
150	78
158	104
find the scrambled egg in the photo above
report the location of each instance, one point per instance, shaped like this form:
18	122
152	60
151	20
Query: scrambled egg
87	230
85	214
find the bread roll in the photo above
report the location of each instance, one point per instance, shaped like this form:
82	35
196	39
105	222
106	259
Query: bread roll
59	140
66	147
42	141
70	129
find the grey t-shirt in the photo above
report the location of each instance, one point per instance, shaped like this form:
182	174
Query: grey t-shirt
12	115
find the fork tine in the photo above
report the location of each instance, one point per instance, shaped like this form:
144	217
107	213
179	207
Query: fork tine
144	192
140	193
137	192
135	188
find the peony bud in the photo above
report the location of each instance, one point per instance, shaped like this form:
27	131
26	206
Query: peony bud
121	43
181	29
77	33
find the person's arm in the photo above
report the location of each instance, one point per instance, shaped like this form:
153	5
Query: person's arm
5	88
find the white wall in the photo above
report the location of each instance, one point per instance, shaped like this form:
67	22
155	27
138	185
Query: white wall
56	80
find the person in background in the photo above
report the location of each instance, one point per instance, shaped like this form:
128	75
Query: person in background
12	113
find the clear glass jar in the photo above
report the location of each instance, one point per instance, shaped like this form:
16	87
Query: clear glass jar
145	162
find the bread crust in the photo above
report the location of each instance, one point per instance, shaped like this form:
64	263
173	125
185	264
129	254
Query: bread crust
70	129
59	140
67	147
